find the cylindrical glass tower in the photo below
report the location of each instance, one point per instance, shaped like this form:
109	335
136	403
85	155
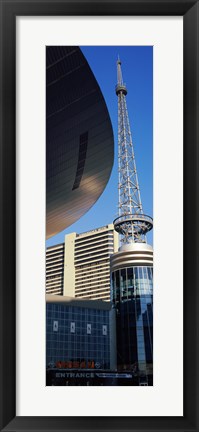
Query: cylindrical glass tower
132	296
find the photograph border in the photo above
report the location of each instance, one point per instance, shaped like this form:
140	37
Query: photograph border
9	10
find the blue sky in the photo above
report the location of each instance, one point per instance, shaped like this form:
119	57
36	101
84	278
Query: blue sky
137	70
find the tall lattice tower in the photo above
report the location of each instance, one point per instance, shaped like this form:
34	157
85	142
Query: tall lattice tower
131	223
132	265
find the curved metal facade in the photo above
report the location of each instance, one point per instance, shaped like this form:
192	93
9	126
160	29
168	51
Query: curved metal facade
79	138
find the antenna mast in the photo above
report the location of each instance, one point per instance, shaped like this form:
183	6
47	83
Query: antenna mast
131	223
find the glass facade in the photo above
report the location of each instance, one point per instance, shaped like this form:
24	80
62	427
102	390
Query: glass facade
77	337
132	295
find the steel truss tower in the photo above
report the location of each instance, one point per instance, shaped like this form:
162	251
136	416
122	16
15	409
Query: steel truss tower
132	265
132	223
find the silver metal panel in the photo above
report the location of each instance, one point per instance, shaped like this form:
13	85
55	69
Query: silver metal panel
132	255
74	106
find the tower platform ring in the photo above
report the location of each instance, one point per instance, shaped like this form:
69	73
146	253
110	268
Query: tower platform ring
142	223
120	88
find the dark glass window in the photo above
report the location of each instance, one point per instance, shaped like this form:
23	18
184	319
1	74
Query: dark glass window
83	142
117	279
136	272
130	277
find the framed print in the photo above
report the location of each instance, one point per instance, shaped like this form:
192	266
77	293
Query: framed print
85	346
33	35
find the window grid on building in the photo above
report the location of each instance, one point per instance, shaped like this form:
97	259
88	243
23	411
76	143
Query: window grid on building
77	334
55	269
81	265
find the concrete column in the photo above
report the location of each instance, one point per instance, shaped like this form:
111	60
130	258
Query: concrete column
69	265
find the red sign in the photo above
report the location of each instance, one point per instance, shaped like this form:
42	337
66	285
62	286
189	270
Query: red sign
75	364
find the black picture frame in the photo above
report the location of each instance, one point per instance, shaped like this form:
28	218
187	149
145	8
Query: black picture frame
9	10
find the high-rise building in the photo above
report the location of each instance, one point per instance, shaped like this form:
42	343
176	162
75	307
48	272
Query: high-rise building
132	265
80	267
55	269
